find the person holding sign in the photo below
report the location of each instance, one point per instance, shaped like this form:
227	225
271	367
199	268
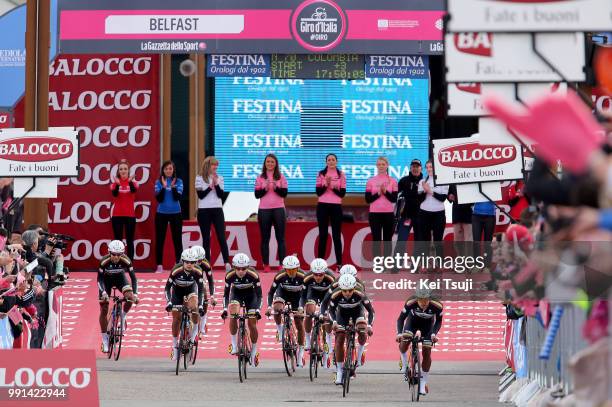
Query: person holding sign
271	189
381	194
331	188
123	216
432	217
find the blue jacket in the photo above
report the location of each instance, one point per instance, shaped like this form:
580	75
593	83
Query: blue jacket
484	208
169	198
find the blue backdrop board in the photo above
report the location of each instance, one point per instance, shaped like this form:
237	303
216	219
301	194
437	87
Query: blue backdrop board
302	120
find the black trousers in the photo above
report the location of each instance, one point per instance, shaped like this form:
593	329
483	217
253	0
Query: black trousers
483	225
267	218
330	213
381	225
176	230
215	217
430	223
127	223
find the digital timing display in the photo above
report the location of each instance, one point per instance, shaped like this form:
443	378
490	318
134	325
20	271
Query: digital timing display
317	66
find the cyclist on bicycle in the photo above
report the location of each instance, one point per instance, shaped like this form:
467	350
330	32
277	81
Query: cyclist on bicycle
317	283
111	273
287	288
242	286
420	313
204	265
345	304
185	286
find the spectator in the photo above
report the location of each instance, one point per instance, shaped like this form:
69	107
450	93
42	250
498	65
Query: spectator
123	216
331	188
210	207
462	222
517	199
11	214
271	189
381	194
168	192
483	226
408	187
432	216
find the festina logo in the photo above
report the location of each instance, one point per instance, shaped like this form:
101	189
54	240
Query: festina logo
474	155
35	149
474	43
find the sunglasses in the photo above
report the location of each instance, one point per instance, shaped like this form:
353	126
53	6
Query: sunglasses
347	291
240	268
189	262
116	254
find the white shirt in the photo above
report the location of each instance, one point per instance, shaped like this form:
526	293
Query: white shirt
431	204
211	200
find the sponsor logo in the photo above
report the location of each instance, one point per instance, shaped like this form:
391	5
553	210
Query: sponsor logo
469	87
474	43
5	120
35	149
105	100
318	25
44	377
12	57
474	155
99	66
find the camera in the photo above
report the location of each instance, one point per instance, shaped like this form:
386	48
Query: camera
60	240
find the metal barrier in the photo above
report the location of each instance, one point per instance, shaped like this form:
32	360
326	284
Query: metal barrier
553	373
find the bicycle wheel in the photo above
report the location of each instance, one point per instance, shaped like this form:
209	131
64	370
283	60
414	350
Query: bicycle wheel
287	352
347	369
417	374
111	336
246	346
185	349
314	352
240	351
118	329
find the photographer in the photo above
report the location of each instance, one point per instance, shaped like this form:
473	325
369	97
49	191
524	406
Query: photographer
45	269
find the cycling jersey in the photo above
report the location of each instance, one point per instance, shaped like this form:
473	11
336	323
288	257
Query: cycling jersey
244	290
204	265
113	275
183	283
413	318
314	292
342	309
287	289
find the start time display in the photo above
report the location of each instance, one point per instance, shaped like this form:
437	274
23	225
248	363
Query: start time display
322	66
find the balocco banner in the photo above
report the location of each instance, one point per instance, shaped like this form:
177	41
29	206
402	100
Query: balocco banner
113	103
48	377
464	160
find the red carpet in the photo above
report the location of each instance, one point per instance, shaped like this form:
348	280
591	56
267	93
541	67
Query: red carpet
470	330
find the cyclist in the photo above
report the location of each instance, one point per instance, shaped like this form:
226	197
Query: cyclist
204	265
242	286
185	286
287	288
317	283
345	304
420	313
352	270
111	273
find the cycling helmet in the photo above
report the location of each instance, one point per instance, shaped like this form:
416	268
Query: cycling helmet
291	262
189	255
348	269
116	246
241	260
318	266
199	252
423	293
347	282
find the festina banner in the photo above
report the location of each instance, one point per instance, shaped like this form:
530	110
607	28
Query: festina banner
255	26
113	101
529	16
465	161
486	57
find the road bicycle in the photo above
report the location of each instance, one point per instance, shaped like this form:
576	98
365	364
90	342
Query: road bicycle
289	343
413	372
317	347
116	326
350	357
244	345
187	349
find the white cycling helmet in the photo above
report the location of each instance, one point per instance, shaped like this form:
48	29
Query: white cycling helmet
347	282
241	260
318	266
199	252
423	293
348	269
116	246
291	262
189	255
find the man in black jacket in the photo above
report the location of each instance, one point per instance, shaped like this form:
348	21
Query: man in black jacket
408	189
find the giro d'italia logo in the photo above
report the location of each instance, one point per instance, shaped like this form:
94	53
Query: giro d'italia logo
318	25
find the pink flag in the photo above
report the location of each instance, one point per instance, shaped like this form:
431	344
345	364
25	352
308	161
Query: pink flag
15	315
